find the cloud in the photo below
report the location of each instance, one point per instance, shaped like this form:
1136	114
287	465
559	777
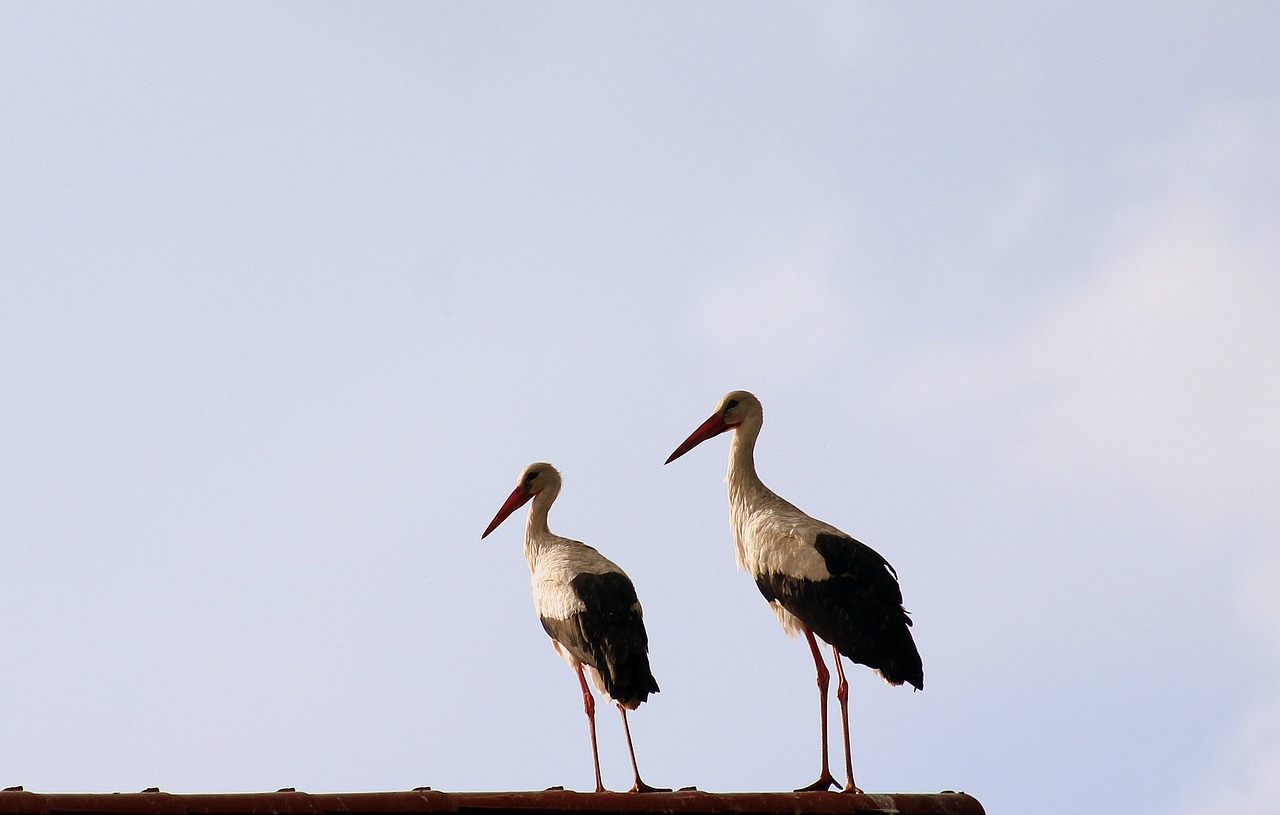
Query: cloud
1248	778
1259	600
1160	367
1156	368
844	35
1035	192
782	312
1245	777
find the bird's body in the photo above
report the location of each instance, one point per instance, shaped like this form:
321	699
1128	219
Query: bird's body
587	605
819	580
817	577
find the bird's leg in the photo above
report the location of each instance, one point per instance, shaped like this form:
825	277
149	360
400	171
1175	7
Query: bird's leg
589	705
825	779
842	693
638	786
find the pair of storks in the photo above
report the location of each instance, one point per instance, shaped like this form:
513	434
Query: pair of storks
820	582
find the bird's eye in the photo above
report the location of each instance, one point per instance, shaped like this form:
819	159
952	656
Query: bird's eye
732	403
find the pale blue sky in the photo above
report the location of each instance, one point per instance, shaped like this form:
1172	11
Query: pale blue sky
292	293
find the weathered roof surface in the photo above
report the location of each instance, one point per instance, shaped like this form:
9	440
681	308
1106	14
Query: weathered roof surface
289	802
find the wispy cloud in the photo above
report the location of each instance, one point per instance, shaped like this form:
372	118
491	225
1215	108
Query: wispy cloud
1157	366
1245	777
782	313
1034	193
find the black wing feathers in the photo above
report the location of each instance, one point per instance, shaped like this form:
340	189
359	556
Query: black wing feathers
609	635
858	609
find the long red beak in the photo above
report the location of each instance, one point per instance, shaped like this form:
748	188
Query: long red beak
709	429
518	498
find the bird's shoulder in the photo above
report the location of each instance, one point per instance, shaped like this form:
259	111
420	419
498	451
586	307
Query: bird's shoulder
564	558
571	577
554	564
786	540
780	539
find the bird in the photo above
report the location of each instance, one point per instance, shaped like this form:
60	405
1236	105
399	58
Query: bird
820	581
589	608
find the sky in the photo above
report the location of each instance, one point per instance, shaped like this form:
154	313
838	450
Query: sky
293	292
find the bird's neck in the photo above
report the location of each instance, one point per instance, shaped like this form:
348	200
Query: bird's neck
746	492
536	531
742	456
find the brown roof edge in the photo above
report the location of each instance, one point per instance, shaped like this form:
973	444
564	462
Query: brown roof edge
289	802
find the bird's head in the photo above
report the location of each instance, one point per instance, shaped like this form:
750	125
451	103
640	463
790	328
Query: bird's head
538	477
735	408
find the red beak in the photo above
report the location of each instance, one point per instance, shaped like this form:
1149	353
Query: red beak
518	498
709	429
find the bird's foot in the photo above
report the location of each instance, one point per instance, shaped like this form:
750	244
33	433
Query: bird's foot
824	783
640	786
851	787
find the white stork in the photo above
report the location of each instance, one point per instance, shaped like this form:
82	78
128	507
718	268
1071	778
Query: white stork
588	607
817	579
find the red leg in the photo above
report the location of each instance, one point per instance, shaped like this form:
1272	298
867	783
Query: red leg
589	705
825	780
638	786
842	693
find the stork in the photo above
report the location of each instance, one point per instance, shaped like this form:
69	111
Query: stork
818	580
588	606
